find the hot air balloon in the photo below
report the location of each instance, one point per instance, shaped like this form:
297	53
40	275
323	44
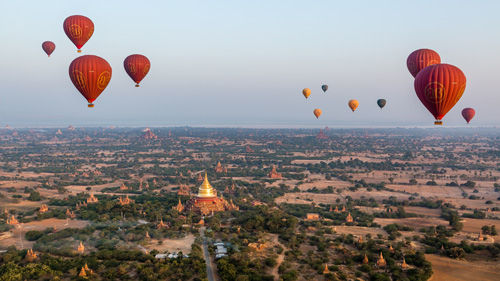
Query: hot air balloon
317	112
324	88
353	104
79	29
381	103
306	92
48	47
420	59
439	87
468	113
90	75
137	66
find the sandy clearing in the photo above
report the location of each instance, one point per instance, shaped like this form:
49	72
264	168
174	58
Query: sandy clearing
446	269
172	245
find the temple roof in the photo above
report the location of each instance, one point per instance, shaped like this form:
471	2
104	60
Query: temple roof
206	190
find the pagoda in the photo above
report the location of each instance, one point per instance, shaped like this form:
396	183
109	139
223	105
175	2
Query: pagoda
149	135
92	199
30	255
365	259
125	200
12	220
381	261
248	149
219	169
206	201
349	218
179	206
123	187
326	270
404	265
81	248
274	174
43	209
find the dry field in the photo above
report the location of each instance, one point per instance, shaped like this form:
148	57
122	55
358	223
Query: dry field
13	237
172	245
446	269
415	223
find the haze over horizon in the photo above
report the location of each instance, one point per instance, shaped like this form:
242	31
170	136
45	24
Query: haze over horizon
231	63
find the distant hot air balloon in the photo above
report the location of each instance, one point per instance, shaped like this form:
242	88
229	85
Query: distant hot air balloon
420	59
439	87
48	47
137	66
306	92
317	112
90	75
324	88
468	113
79	29
381	103
353	104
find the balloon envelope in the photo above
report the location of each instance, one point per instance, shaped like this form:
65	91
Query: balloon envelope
353	104
324	88
48	47
90	75
317	112
381	103
468	113
79	29
420	59
439	87
137	66
306	92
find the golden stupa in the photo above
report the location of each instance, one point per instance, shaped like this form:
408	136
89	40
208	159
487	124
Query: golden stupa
206	190
206	201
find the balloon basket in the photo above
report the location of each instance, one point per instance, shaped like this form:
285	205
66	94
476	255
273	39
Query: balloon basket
438	122
137	85
78	51
90	105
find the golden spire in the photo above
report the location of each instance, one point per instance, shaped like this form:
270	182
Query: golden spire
206	189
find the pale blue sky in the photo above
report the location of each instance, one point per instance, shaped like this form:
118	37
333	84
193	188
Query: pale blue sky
245	63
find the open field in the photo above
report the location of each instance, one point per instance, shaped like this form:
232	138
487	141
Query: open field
446	269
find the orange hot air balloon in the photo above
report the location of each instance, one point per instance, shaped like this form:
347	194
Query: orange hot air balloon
468	113
439	87
90	75
306	92
48	47
317	112
79	29
353	104
137	66
421	59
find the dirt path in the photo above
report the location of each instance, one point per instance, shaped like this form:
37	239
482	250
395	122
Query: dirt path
280	259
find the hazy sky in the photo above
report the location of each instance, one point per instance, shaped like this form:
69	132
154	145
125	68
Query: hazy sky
245	63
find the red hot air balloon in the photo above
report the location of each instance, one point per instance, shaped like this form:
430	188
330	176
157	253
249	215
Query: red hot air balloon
79	29
421	59
468	113
90	75
48	47
137	66
439	87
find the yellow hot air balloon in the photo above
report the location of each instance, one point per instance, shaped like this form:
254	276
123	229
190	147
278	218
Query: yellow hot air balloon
306	92
317	112
353	104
